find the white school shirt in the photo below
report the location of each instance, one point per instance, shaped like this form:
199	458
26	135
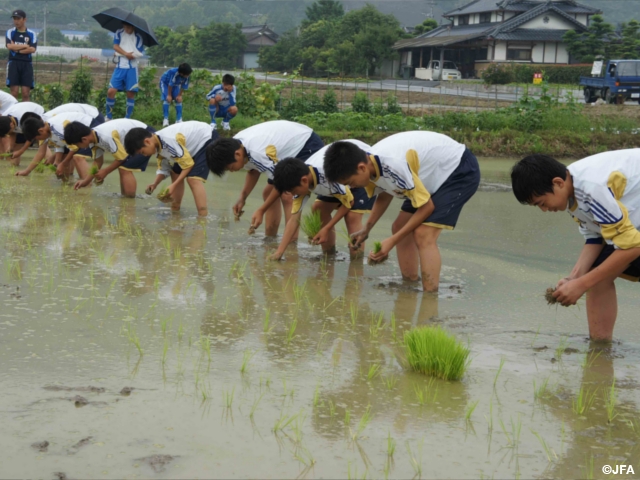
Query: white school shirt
129	42
268	142
321	186
180	142
20	108
607	197
413	165
72	107
57	124
111	135
6	100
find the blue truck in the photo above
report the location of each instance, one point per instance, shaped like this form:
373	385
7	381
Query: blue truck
620	82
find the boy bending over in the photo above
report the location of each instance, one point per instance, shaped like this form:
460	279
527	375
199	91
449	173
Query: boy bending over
602	194
10	129
172	83
432	173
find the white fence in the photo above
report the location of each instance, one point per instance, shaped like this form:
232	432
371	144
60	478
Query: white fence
70	54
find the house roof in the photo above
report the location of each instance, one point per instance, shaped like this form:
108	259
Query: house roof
478	6
517	21
529	34
255	31
441	41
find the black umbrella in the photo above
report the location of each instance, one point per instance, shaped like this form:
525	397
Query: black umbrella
113	18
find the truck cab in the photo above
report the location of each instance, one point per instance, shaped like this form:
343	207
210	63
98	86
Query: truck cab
449	71
619	82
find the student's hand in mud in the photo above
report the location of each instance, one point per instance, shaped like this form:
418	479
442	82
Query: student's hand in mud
100	176
321	237
22	173
60	170
256	219
276	256
171	189
16	155
82	183
570	292
237	208
358	238
149	190
383	254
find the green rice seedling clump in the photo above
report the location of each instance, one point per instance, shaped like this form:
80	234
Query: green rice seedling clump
53	168
377	246
94	170
40	168
164	195
311	224
433	351
6	154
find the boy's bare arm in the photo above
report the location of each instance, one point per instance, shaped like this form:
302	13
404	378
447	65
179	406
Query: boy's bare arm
379	207
40	154
249	184
588	255
324	231
289	233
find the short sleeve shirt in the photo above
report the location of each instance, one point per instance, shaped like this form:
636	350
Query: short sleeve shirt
28	37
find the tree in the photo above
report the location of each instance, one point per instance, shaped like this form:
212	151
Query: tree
426	26
323	10
100	39
55	38
628	46
218	45
596	41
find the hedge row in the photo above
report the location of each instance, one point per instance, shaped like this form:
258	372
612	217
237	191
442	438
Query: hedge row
504	73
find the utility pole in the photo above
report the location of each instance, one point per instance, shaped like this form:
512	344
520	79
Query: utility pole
46	4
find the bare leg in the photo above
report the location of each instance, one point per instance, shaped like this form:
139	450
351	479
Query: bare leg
81	166
354	224
287	203
14	91
602	310
26	93
199	195
178	193
426	239
128	183
325	209
273	215
6	144
407	249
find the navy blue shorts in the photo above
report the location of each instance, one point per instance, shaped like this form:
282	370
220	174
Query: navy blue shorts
20	139
20	73
361	201
138	162
87	152
632	272
452	194
312	145
200	168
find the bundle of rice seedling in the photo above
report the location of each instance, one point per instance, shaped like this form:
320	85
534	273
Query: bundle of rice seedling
164	195
551	300
94	170
238	215
377	246
53	168
433	351
6	154
311	224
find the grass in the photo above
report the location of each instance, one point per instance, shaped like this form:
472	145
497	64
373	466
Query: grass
433	351
610	399
311	224
584	400
470	409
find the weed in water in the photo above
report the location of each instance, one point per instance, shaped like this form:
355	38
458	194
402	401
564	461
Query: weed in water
391	445
374	370
248	354
227	397
495	380
564	342
416	462
291	332
390	382
540	392
311	224
376	325
470	409
432	351
548	451
583	402
610	398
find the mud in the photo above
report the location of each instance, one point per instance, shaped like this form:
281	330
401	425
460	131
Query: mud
79	401
82	443
41	446
126	391
158	463
62	388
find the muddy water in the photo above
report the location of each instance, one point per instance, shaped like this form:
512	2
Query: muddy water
124	330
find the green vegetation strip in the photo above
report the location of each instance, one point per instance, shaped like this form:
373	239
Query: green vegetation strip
432	351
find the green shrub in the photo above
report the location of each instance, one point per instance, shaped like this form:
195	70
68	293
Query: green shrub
329	101
81	87
505	73
361	103
433	351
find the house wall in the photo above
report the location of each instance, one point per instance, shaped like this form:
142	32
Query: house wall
583	18
550	52
537	53
250	60
501	51
563	54
555	22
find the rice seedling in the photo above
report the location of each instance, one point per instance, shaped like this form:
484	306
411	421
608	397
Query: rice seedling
332	408
316	396
299	292
377	246
265	322
535	336
564	343
590	358
589	468
305	457
353	312
426	394
248	354
610	398
513	439
311	224
374	370
362	424
470	409
584	400
133	338
540	392
376	325
391	445
254	407
390	382
392	326
283	422
495	380
40	168
164	195
416	462
227	397
490	419
433	351
548	451
347	417
291	331
94	170
165	324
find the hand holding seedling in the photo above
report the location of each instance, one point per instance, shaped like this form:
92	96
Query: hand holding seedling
22	173
238	215
60	169
381	251
82	183
237	208
276	256
256	219
358	238
150	188
100	175
321	237
570	292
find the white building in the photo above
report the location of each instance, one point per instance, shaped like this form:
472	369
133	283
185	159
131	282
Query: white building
486	31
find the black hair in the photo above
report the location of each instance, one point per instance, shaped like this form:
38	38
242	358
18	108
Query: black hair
533	177
185	69
27	115
135	138
228	79
221	154
5	125
288	174
30	128
341	161
74	132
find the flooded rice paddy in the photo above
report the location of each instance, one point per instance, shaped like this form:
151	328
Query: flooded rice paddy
136	343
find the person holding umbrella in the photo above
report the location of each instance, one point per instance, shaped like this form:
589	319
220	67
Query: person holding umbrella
129	46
